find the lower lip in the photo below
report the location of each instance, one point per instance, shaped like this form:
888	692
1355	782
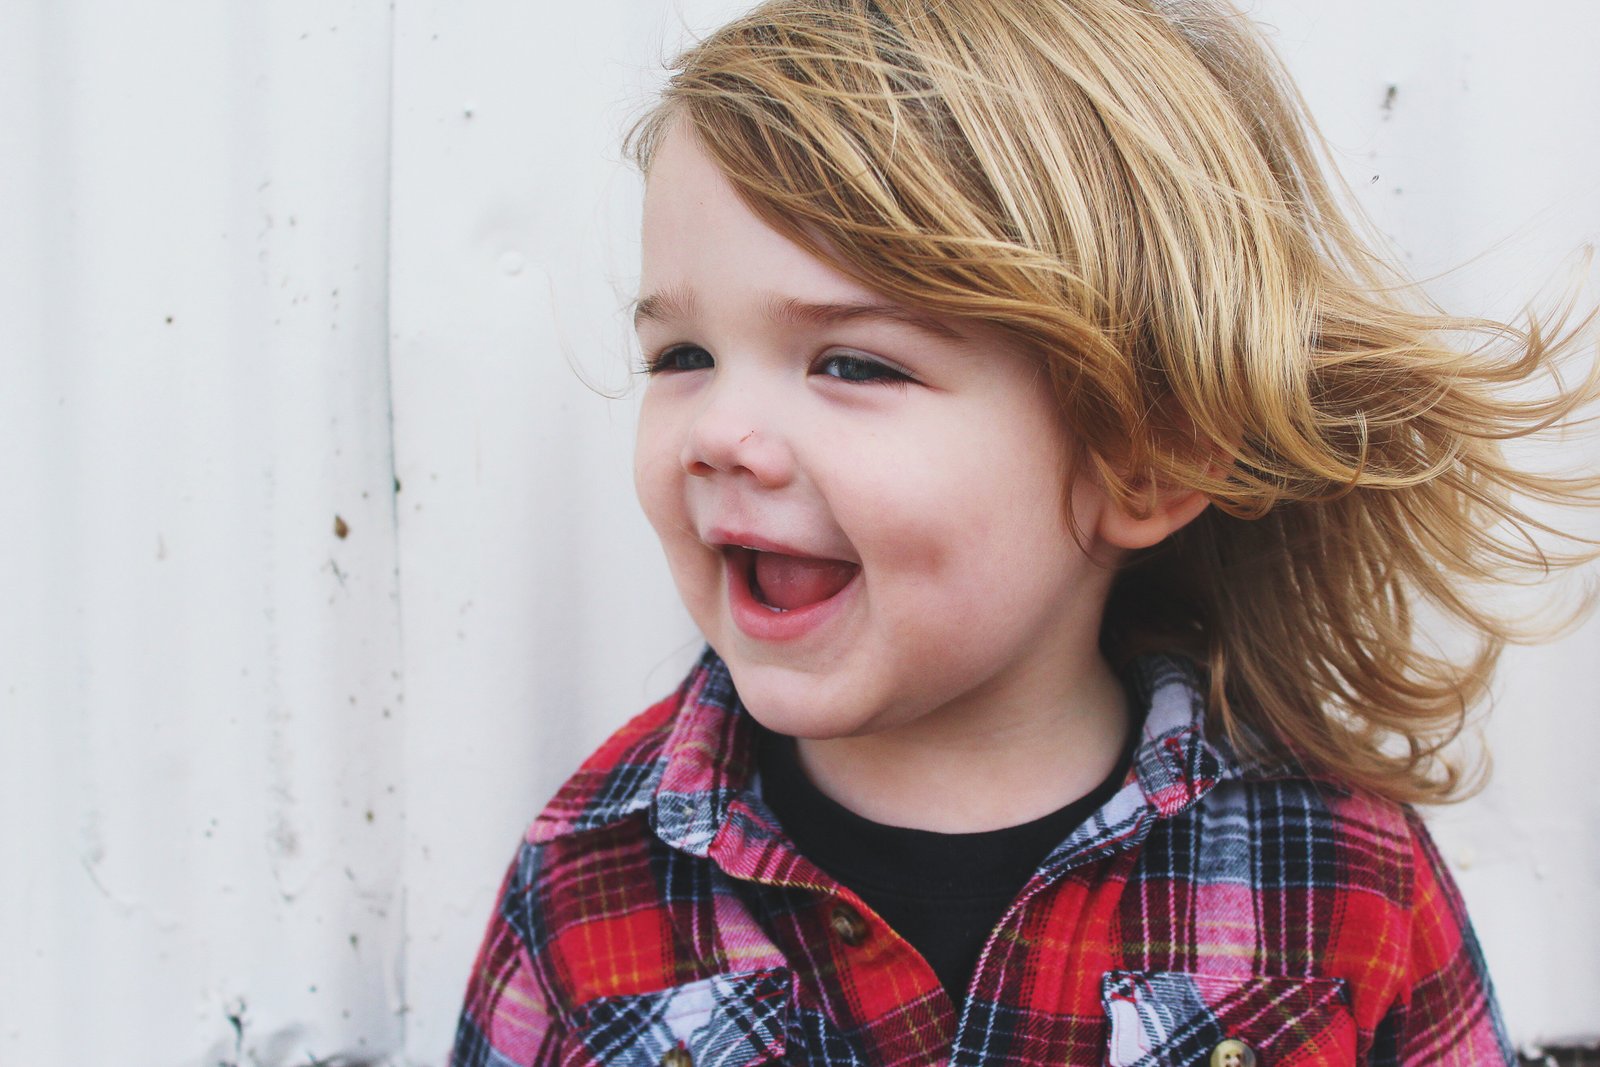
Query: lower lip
756	620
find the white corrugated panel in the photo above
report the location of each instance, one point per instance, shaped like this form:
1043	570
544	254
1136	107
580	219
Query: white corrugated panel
1466	130
199	776
258	781
538	613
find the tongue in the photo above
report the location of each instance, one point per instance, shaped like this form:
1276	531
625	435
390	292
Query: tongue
790	582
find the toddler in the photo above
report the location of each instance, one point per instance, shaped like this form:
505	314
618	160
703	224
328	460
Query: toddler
1054	475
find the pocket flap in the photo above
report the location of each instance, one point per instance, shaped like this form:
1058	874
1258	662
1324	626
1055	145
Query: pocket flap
727	1020
1175	1019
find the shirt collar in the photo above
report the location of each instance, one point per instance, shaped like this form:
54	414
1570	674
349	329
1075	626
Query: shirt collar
687	773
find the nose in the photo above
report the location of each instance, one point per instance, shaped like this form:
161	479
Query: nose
738	431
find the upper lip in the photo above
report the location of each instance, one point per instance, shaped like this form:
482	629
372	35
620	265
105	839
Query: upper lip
719	537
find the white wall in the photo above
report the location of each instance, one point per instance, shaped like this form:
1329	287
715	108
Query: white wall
200	797
1485	159
257	262
537	612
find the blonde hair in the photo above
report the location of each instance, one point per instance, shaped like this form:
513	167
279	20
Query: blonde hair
1131	189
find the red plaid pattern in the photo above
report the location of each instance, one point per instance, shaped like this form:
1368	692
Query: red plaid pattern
656	905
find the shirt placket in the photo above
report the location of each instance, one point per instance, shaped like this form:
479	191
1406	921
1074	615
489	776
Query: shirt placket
874	982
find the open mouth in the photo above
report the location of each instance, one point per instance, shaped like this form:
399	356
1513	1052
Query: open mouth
788	583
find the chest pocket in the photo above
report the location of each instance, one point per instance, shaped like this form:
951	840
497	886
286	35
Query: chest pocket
1172	1019
727	1020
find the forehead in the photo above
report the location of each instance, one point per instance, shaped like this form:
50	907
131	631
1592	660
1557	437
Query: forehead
705	250
701	239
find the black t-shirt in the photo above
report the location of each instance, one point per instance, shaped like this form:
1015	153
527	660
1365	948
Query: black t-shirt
944	893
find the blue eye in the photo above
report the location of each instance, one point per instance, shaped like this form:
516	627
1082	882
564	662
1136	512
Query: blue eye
859	369
680	358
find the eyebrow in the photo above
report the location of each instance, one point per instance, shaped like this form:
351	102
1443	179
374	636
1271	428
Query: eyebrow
795	312
670	305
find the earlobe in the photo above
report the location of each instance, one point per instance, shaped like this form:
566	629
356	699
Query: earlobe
1169	511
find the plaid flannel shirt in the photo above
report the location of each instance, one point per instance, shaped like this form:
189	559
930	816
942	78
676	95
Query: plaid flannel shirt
657	914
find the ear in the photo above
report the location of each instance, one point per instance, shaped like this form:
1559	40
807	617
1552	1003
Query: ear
1165	512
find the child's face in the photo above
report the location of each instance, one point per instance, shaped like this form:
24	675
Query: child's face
897	487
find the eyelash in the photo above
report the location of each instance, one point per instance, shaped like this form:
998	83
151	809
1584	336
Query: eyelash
662	363
879	372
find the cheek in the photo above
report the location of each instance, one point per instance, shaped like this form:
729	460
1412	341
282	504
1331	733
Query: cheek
656	471
959	533
955	503
649	486
661	485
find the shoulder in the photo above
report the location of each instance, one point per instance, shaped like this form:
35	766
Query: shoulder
616	781
1341	885
581	880
597	819
1319	835
592	877
595	827
678	762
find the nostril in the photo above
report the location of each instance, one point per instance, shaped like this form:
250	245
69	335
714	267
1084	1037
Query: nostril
727	443
717	446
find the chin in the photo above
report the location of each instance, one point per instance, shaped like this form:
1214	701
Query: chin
796	705
805	706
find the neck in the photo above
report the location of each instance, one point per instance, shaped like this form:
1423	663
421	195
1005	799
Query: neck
987	761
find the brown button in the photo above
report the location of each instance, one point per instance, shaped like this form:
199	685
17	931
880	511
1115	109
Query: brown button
1233	1053
848	924
677	1057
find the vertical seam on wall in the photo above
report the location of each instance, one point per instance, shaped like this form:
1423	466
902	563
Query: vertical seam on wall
400	971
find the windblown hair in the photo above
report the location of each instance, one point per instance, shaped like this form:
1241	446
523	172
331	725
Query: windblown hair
1132	190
